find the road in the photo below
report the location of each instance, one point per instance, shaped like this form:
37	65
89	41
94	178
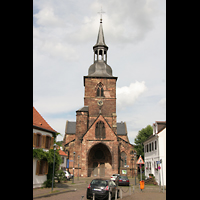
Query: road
78	189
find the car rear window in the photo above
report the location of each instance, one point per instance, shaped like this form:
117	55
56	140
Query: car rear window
99	182
123	177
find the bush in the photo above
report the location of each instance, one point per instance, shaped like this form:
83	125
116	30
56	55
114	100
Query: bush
60	175
48	183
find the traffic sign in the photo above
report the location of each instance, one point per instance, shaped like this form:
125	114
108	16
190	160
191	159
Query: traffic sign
140	161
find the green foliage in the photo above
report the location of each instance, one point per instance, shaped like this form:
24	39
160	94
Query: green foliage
143	134
49	156
60	175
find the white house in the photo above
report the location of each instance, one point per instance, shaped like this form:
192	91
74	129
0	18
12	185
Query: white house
154	151
42	138
64	157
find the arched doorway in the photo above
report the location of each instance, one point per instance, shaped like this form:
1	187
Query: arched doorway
99	161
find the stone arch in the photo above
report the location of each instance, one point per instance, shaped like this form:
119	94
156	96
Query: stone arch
99	159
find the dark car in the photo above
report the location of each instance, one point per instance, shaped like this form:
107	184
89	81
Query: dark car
123	180
101	188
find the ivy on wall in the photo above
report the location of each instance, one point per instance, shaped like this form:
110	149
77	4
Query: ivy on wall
48	156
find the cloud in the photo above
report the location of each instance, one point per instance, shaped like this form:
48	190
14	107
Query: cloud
127	95
162	102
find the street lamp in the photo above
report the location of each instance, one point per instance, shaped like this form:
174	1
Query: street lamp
78	167
73	166
54	147
132	161
135	166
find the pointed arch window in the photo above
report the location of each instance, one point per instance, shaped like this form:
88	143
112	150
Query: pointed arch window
100	91
100	130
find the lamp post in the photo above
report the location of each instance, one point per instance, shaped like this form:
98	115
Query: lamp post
132	161
78	167
54	147
73	166
135	166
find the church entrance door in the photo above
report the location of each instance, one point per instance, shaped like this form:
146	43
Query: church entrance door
99	161
102	169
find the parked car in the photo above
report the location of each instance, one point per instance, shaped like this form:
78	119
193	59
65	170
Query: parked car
101	188
115	177
123	180
68	176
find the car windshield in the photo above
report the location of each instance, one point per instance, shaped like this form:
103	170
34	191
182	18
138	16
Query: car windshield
115	174
99	182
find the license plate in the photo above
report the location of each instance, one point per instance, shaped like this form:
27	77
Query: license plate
124	180
97	189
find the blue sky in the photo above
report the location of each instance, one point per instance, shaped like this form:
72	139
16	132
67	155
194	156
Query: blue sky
64	33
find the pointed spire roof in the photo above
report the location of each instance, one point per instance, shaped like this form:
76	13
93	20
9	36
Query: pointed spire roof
100	38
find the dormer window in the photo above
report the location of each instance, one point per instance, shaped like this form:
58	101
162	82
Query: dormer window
100	91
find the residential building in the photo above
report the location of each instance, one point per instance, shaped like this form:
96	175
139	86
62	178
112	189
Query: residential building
43	138
154	151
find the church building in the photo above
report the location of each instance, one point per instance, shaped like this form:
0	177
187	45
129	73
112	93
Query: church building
96	142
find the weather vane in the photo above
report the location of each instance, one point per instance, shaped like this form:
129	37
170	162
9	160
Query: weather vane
101	14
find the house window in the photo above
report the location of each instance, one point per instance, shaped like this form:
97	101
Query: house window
100	91
42	167
152	146
147	147
48	142
63	159
38	140
155	145
100	130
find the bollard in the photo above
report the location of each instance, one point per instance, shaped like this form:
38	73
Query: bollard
130	190
116	194
133	188
109	196
82	197
93	196
120	193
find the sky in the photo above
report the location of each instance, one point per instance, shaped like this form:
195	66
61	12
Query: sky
64	33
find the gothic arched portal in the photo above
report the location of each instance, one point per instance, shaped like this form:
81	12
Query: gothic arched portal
99	161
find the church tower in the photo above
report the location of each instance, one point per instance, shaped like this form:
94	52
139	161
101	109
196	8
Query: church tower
100	85
96	143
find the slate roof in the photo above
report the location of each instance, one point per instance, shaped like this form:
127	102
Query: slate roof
39	121
71	128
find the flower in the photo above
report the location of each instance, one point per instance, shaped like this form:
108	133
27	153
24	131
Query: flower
159	167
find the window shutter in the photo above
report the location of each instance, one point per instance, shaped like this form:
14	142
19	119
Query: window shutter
38	167
52	142
43	141
34	139
46	167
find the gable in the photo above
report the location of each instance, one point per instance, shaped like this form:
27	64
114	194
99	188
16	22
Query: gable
92	131
39	122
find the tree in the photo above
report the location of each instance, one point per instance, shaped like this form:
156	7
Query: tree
142	135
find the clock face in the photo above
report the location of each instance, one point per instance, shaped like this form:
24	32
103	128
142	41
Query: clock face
99	102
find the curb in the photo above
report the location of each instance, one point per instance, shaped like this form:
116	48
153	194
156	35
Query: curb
51	194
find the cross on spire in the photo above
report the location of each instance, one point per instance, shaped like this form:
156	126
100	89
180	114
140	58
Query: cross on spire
101	15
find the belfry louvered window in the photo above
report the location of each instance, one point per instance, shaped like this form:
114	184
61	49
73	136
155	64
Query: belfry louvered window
100	92
100	130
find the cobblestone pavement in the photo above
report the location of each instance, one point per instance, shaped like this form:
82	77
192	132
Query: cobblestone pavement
69	192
